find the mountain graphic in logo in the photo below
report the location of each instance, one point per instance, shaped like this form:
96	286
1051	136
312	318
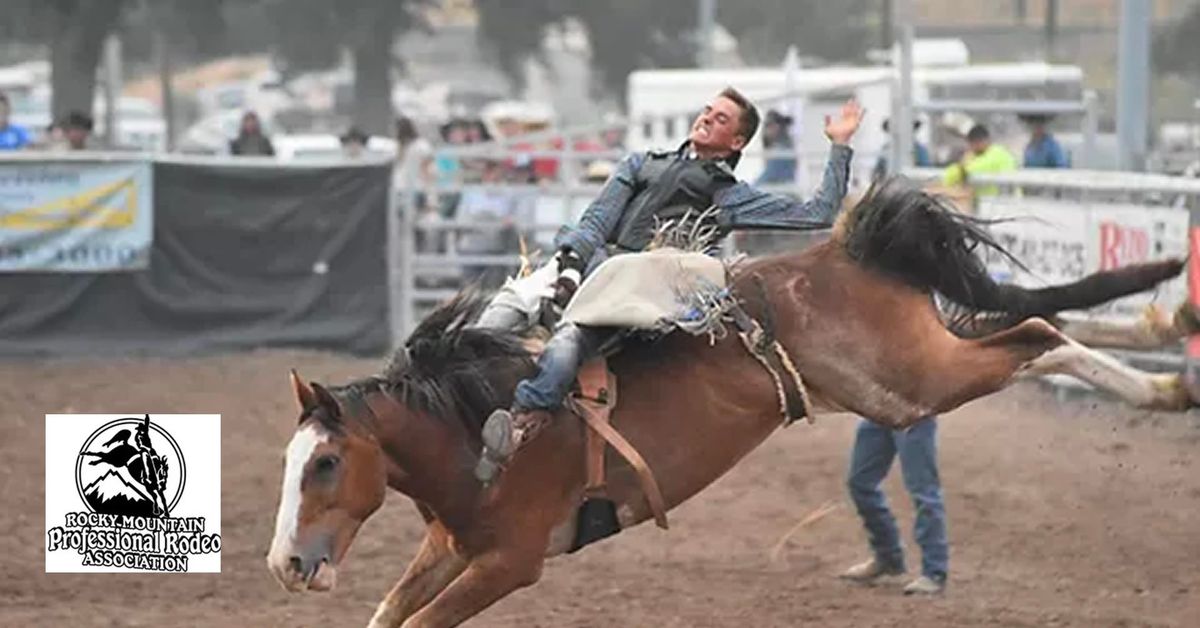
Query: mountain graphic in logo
111	494
130	466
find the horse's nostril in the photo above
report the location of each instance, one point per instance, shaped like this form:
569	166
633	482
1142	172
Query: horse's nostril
297	564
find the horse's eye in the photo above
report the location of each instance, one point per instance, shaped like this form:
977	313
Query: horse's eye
325	464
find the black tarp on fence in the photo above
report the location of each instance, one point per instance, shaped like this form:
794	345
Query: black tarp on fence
243	257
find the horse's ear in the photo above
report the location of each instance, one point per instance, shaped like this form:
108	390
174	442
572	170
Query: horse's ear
304	393
326	400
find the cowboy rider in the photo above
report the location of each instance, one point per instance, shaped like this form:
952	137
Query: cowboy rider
646	189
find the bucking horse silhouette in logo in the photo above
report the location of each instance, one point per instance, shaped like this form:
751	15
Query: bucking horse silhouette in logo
138	464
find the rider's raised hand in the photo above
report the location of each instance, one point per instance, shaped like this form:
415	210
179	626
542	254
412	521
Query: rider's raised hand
840	131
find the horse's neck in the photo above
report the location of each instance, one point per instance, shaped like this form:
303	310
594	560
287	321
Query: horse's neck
428	461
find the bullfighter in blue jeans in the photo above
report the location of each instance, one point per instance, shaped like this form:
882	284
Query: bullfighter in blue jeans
875	447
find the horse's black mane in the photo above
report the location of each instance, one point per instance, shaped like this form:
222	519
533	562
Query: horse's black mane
449	369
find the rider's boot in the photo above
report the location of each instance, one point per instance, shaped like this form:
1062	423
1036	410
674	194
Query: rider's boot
503	434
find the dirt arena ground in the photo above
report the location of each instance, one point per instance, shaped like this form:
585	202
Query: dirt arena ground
1083	513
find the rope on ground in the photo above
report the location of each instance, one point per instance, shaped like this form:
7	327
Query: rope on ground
820	513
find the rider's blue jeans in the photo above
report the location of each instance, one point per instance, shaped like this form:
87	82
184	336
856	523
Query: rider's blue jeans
558	366
875	447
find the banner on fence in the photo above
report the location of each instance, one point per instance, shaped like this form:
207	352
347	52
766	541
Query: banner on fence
243	257
75	216
1061	241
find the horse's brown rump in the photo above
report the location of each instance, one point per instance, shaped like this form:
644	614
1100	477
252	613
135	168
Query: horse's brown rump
862	341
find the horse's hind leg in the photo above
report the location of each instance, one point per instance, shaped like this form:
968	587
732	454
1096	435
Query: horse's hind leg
1032	348
1161	391
430	571
945	373
1035	347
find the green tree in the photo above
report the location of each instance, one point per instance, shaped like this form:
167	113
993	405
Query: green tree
1175	47
74	31
663	32
305	33
513	32
311	34
834	31
626	35
194	31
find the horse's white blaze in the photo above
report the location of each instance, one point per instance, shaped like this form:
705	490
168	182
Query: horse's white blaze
299	451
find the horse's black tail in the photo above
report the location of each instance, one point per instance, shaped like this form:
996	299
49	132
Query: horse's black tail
905	232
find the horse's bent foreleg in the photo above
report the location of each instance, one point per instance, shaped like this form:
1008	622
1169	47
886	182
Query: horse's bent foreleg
486	579
430	571
1162	391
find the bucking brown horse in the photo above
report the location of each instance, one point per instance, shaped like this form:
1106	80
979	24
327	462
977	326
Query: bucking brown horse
856	313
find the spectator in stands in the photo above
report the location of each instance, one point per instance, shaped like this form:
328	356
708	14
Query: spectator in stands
526	166
496	210
953	127
476	131
12	136
613	138
777	136
599	171
610	139
920	156
982	156
447	167
593	151
251	140
54	138
413	177
875	447
1042	151
77	128
354	143
552	168
413	152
